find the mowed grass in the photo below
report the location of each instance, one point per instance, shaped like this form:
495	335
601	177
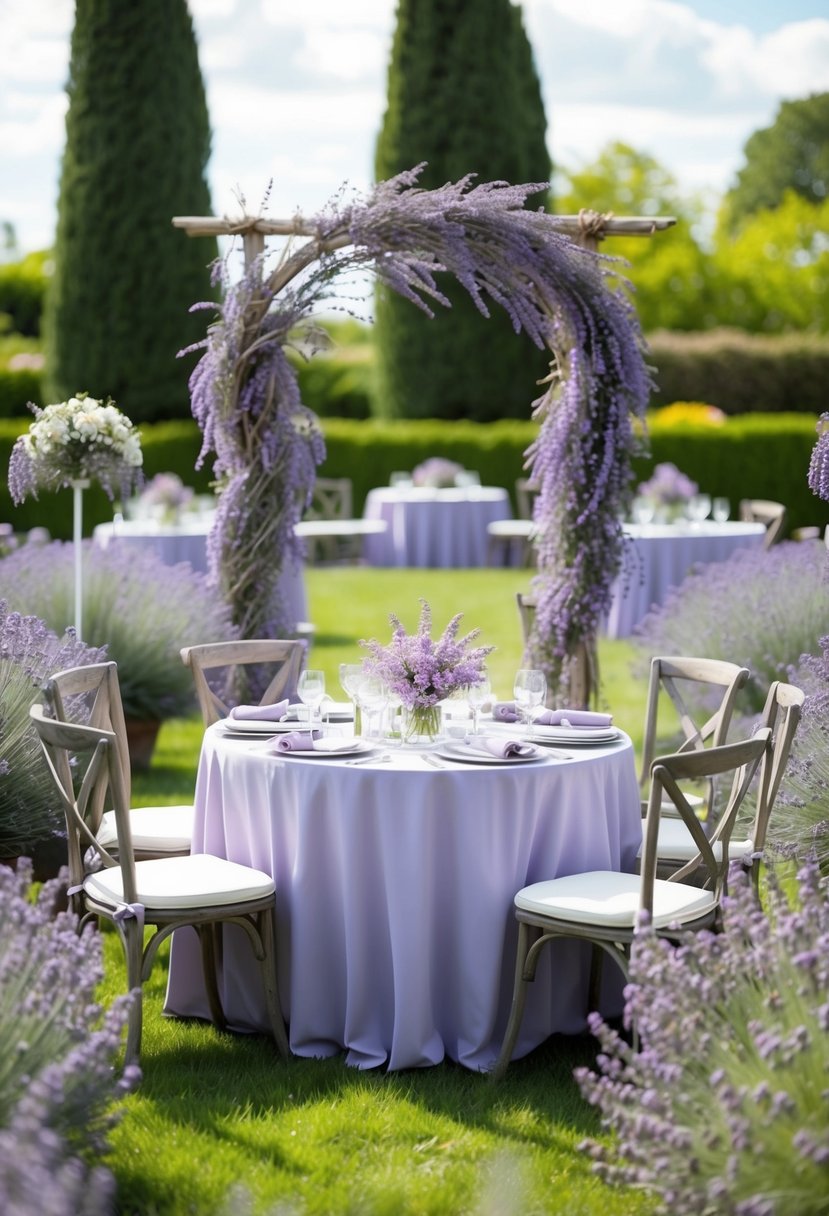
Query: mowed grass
216	1113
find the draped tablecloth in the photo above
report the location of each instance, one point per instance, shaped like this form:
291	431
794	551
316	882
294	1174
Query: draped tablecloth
659	556
187	542
438	528
395	885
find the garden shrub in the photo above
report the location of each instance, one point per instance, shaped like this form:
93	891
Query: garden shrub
141	609
724	1107
19	386
58	1051
801	827
29	653
23	290
762	609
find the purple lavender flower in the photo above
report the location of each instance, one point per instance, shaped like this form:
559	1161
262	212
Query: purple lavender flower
436	472
819	463
420	672
667	485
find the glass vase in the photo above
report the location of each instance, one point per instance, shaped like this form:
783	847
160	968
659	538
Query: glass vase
420	726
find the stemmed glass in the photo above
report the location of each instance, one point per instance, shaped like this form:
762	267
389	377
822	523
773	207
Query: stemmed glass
529	690
477	695
373	697
351	674
721	509
311	691
699	507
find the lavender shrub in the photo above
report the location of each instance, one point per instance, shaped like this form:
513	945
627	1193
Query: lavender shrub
29	652
58	1081
725	1107
801	828
246	400
762	609
142	610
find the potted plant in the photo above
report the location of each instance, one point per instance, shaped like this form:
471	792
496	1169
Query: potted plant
140	609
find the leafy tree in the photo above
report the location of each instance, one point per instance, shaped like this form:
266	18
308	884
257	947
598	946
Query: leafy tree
463	96
137	145
791	154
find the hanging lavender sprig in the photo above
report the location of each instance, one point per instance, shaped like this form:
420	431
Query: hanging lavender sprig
565	297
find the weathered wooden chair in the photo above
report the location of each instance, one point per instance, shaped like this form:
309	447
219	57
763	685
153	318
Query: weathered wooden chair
274	666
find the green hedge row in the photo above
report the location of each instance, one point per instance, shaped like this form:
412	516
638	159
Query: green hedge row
753	456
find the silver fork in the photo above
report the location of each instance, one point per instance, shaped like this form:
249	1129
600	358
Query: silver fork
431	760
370	759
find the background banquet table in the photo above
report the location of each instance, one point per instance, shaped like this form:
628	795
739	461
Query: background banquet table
187	542
395	882
659	556
438	528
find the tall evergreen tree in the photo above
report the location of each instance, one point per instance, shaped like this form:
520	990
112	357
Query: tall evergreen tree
137	145
464	96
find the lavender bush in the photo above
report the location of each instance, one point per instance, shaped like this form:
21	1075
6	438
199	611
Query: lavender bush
725	1108
29	652
819	463
763	609
58	1048
246	400
142	610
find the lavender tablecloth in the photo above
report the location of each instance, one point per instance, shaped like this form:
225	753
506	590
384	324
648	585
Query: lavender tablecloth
395	886
438	528
659	556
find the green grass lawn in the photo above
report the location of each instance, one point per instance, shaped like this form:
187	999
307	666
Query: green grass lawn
216	1111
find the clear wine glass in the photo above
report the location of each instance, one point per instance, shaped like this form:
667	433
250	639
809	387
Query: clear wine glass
311	690
699	507
477	695
350	676
529	690
720	510
642	509
372	697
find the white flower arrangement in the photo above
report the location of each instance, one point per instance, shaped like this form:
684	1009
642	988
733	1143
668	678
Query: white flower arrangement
81	439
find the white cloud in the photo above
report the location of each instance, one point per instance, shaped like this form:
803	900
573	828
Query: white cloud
33	126
273	112
351	55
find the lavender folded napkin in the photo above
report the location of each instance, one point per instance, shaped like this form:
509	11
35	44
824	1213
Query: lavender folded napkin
297	741
572	717
491	745
504	711
259	713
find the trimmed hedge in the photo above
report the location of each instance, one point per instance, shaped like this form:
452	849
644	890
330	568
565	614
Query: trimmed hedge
753	456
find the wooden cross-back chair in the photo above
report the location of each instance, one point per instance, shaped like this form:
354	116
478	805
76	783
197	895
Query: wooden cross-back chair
92	695
274	665
169	893
765	511
328	527
604	907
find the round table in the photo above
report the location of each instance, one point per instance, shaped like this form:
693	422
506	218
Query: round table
437	528
187	542
658	557
394	886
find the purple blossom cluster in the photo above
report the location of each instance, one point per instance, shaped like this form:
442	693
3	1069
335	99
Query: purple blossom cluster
667	485
566	298
166	490
819	463
29	653
801	830
141	609
725	1107
436	472
58	1083
421	672
762	609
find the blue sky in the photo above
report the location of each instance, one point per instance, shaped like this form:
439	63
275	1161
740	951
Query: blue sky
296	90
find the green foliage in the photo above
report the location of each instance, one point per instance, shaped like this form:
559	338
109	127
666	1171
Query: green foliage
137	146
791	154
19	386
741	373
774	270
463	95
22	291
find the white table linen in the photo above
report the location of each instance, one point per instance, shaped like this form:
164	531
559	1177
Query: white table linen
187	542
658	557
436	528
395	884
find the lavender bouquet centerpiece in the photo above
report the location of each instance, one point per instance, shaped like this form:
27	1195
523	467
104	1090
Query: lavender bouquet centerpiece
165	495
437	473
421	672
668	488
78	440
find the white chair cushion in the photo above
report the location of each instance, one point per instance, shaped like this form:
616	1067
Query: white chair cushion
159	829
610	899
183	882
668	809
676	844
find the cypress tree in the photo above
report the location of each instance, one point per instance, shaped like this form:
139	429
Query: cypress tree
464	96
137	146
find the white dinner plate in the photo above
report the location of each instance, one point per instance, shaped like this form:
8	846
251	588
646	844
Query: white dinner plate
258	726
575	736
328	748
460	751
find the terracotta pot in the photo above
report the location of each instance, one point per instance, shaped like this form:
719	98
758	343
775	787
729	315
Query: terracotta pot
141	738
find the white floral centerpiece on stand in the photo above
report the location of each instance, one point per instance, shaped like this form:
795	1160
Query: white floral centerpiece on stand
74	443
420	672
